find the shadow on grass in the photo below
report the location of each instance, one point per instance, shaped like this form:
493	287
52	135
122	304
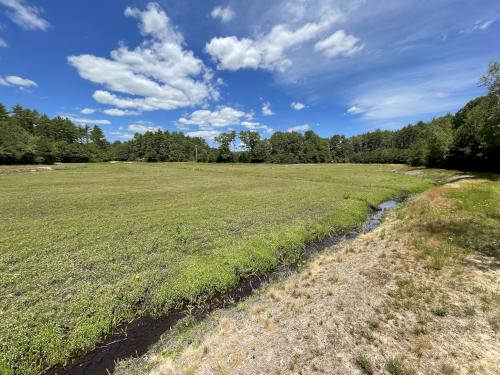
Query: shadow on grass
469	235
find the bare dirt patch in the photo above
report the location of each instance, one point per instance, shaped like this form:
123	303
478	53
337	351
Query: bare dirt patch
25	169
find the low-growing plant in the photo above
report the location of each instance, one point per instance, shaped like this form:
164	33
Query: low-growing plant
365	364
367	334
395	366
440	311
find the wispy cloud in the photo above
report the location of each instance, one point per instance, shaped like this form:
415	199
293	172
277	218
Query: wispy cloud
225	14
297	106
418	92
219	118
140	128
121	135
480	25
252	125
120	112
207	134
266	109
17	81
339	43
298	128
86	121
25	15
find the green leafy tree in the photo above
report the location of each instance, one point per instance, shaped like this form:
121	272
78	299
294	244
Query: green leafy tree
225	140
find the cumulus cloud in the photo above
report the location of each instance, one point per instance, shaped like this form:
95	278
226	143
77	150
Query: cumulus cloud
140	128
17	81
120	112
267	51
298	106
339	43
298	128
223	117
87	111
25	15
225	14
266	109
158	74
210	123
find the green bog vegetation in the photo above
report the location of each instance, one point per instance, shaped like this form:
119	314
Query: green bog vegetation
86	248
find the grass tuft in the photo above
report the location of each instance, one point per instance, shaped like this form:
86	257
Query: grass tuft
365	364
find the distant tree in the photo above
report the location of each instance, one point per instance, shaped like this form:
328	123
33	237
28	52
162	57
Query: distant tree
341	148
491	80
98	138
4	116
251	141
24	117
316	149
225	140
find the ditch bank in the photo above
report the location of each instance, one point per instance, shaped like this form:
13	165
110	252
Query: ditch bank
134	339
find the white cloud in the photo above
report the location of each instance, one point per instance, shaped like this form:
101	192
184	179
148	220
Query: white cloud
139	128
268	51
417	92
88	121
25	15
298	106
122	135
354	110
3	43
87	111
257	126
17	81
207	134
339	43
298	128
158	74
209	122
225	14
120	112
223	117
480	25
266	109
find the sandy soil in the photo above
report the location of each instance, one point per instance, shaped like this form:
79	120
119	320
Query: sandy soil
25	169
369	301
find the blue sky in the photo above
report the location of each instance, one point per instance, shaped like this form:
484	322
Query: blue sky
203	67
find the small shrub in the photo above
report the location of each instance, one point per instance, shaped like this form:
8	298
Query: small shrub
365	364
470	311
448	370
440	311
367	334
395	366
374	323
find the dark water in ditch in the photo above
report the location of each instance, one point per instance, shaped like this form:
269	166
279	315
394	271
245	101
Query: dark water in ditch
135	339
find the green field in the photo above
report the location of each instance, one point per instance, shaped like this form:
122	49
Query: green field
88	247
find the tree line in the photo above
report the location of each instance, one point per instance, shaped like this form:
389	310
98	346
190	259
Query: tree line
28	137
469	139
